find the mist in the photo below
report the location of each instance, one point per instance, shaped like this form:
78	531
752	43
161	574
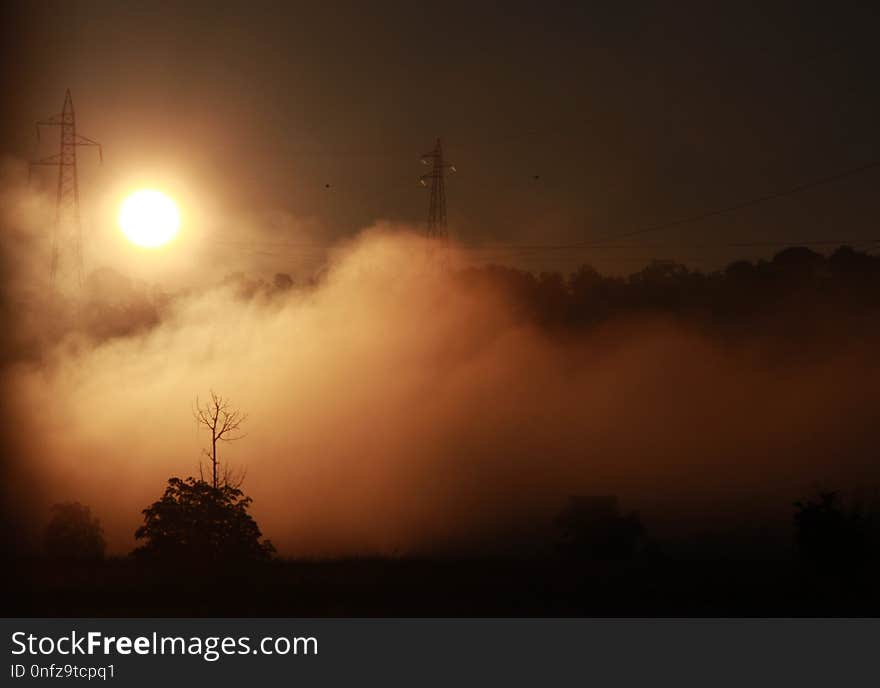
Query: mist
396	406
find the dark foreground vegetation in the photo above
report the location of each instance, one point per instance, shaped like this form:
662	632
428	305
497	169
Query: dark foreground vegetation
798	292
602	563
463	587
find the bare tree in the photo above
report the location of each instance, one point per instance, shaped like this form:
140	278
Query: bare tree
224	422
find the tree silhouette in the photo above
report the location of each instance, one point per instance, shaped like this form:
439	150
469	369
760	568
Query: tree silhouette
828	534
224	423
73	533
197	522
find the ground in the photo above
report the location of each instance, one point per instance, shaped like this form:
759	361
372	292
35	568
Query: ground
445	588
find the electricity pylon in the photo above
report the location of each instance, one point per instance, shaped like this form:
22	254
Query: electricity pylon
66	268
437	207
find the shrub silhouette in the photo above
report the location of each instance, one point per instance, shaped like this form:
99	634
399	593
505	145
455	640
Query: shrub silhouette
73	533
592	527
197	522
828	534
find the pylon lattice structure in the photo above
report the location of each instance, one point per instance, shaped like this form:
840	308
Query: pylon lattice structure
437	207
66	268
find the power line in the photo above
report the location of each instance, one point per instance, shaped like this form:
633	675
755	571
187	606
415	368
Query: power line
751	202
748	203
306	246
353	153
731	244
438	216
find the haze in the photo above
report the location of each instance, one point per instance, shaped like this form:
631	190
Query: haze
397	406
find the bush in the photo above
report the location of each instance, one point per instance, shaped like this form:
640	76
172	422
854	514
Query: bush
830	535
197	522
73	533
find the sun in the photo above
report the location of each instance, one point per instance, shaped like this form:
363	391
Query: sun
149	218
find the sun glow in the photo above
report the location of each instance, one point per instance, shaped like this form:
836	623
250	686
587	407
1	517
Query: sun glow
149	218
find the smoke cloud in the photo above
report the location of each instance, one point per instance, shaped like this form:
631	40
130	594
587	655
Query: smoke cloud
395	406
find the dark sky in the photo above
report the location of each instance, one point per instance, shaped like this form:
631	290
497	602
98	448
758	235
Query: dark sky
630	114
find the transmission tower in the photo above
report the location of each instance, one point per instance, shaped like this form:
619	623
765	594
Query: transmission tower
66	268
437	208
